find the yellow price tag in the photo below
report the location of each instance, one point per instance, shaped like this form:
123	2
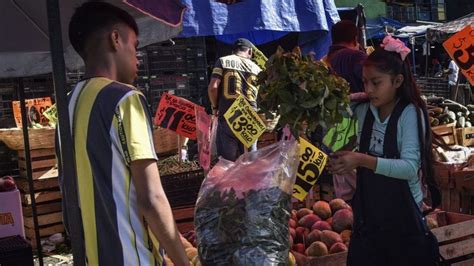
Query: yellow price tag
244	122
52	114
258	57
312	163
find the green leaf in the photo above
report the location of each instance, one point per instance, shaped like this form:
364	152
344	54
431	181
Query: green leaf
311	104
331	103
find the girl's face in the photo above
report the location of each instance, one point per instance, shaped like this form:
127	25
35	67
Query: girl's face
380	87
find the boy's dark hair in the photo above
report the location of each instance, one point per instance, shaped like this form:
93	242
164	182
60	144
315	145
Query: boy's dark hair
91	17
391	63
344	31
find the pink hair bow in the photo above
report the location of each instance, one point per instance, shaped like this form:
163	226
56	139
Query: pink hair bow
395	45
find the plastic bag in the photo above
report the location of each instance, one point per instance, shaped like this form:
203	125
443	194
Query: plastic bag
243	208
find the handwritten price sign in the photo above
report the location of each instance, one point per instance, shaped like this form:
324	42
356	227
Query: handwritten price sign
35	108
203	138
177	114
312	163
461	49
244	122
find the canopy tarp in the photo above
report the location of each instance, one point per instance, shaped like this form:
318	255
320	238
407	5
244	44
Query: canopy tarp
24	49
211	17
262	21
376	28
410	31
443	32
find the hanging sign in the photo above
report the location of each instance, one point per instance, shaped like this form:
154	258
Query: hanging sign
34	111
244	122
177	114
312	163
460	48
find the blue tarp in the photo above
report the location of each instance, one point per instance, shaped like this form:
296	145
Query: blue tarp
210	17
256	37
376	27
262	21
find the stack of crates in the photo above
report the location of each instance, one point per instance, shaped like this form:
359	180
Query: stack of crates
179	68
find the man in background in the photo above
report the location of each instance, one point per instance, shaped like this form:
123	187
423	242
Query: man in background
344	56
232	76
453	75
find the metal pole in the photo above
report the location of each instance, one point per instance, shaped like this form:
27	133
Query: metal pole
428	47
69	187
26	141
412	42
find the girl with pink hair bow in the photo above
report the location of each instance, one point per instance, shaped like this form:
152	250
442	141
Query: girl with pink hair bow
393	162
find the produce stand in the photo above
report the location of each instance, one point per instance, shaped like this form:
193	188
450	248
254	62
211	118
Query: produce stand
455	235
43	200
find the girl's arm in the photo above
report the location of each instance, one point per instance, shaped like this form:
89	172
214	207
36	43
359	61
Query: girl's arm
404	168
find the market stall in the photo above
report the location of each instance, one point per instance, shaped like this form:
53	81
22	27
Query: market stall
35	46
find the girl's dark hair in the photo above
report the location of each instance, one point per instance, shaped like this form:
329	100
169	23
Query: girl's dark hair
391	63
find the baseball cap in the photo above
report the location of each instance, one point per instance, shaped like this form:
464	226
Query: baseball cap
242	42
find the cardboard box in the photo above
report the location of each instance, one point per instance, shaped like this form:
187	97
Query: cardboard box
11	216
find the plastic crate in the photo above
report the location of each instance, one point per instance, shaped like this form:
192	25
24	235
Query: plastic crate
182	189
14	250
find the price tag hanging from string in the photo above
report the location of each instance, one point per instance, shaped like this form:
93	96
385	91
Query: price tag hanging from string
312	163
244	122
177	114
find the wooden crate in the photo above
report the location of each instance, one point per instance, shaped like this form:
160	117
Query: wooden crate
447	132
47	181
465	136
464	181
165	141
451	196
455	235
184	218
42	161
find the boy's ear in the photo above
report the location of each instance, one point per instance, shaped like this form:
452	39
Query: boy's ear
114	39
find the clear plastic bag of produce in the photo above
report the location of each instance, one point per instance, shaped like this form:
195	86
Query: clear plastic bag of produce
243	208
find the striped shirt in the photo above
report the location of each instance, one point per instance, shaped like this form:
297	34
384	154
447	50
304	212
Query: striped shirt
111	128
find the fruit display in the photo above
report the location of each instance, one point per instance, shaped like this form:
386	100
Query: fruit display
324	229
442	112
7	183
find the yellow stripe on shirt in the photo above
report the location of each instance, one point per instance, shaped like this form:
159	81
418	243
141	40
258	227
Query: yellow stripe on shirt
84	169
139	141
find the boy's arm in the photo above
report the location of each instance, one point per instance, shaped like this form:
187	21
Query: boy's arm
154	206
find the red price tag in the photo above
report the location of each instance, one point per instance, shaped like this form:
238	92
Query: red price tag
177	114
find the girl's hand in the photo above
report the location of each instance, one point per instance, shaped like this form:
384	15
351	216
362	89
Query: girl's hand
343	162
359	97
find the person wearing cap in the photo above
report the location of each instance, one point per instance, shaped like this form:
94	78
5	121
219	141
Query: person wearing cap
232	76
